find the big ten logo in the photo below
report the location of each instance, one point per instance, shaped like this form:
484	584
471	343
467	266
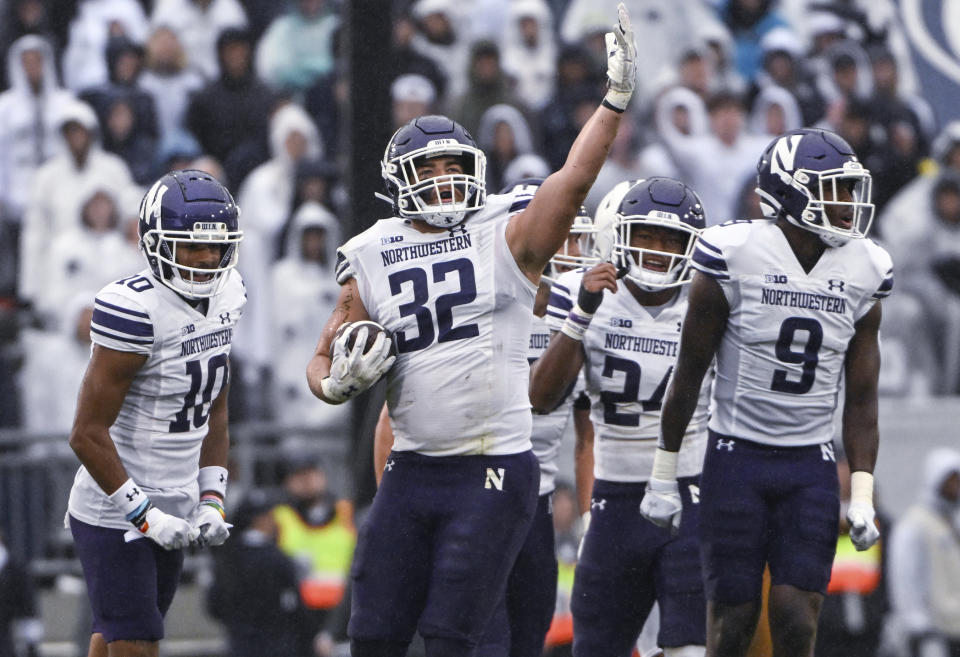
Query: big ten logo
392	239
776	279
188	329
620	322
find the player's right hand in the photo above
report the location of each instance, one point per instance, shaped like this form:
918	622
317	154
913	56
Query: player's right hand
863	526
621	62
167	531
353	371
661	504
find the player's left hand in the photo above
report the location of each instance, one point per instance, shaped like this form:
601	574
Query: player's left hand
662	505
212	528
600	277
621	62
863	528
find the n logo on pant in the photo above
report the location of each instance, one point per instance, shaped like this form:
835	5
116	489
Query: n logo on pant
494	478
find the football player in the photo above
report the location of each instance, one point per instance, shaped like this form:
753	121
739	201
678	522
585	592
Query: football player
624	332
453	277
151	422
789	305
520	624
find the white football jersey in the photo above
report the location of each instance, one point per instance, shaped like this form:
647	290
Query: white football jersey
163	421
459	309
630	354
780	361
548	428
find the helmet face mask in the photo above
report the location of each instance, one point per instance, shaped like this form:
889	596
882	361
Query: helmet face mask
439	198
182	211
813	179
583	235
647	210
639	260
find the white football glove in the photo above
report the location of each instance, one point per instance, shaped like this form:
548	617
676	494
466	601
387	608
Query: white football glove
863	529
661	504
621	62
211	527
167	531
352	373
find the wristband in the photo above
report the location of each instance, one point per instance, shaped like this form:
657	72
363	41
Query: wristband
664	465
132	502
326	385
214	502
606	103
861	488
213	479
576	324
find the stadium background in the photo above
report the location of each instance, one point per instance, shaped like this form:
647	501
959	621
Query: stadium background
354	93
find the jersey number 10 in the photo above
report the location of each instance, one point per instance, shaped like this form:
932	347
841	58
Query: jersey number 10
181	421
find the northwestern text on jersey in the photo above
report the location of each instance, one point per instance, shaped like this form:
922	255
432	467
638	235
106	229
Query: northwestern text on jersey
808	300
204	342
404	253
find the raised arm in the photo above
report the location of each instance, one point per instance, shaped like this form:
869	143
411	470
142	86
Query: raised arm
861	436
535	234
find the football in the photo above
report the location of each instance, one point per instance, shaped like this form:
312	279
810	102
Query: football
373	330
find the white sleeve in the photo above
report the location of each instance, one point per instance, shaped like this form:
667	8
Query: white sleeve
562	298
121	324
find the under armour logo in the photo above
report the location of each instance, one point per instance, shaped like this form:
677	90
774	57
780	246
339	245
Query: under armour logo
827	453
132	494
600	504
725	444
224	318
494	478
388	466
836	283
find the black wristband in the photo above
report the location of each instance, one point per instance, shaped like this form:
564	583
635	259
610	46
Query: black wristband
587	300
607	104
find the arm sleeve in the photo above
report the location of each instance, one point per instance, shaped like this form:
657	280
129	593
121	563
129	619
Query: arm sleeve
883	265
345	270
562	296
710	258
121	323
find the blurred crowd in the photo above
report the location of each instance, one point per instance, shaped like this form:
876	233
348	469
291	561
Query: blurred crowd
99	97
